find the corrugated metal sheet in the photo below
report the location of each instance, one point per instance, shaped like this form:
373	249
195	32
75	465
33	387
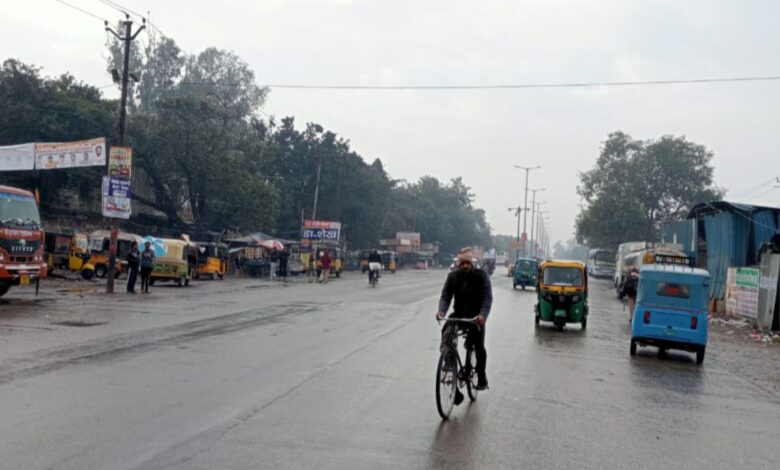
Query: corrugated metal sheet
719	230
682	232
764	226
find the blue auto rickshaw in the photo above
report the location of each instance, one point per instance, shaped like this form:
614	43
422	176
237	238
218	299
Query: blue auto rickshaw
671	307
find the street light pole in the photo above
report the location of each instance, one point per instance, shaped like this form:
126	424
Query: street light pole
533	213
517	214
538	233
527	170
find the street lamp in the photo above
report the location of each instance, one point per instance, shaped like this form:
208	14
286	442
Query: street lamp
527	170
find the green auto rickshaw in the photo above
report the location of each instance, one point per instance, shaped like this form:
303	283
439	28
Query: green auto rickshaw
524	273
562	292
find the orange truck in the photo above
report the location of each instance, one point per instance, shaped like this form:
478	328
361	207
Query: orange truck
21	239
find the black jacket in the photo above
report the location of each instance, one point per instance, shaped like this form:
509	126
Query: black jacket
374	258
133	259
472	291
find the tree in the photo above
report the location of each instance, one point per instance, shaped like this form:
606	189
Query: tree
636	186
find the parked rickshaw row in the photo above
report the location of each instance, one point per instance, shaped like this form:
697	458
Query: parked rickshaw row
671	306
176	260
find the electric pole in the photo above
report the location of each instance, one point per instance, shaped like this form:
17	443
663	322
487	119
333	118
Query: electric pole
517	214
127	39
525	204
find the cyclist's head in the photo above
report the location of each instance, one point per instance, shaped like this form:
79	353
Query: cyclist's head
465	259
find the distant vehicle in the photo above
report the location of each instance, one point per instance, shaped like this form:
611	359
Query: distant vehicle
524	273
623	250
601	263
646	255
671	308
21	239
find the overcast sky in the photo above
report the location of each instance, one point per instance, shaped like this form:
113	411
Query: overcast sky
476	134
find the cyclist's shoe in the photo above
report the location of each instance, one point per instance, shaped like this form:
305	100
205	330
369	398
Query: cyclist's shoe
458	397
482	381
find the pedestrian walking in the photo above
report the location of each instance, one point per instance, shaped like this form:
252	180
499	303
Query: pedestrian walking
147	263
133	261
629	290
325	260
283	264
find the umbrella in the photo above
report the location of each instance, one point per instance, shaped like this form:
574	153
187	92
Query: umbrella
158	245
272	244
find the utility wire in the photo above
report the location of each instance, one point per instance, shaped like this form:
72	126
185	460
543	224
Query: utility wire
528	85
81	10
120	8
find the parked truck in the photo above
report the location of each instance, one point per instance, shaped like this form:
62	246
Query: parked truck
21	239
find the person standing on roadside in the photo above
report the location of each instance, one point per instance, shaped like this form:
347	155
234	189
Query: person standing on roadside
325	259
284	258
133	261
147	263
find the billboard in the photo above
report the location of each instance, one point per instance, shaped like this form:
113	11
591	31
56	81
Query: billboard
116	197
52	156
17	157
321	230
120	161
408	238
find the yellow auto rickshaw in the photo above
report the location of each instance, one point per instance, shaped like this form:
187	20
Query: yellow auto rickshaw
99	244
178	264
390	260
212	260
66	251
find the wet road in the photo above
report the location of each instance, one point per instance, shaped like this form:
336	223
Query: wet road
342	376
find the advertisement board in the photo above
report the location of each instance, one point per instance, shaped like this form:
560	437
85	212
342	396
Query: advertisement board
408	238
742	289
17	157
52	156
321	230
120	160
116	198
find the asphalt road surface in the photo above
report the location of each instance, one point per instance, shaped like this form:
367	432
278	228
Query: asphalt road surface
237	376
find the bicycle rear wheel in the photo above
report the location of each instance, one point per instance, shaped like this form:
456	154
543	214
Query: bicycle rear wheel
446	383
471	374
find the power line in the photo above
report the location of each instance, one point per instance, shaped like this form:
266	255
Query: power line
81	10
528	85
121	9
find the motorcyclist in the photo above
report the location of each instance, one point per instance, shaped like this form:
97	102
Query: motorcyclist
374	265
473	299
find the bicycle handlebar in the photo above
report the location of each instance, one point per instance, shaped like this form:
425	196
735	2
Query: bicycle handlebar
473	321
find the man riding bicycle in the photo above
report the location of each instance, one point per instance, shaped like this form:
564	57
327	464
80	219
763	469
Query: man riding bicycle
473	299
374	265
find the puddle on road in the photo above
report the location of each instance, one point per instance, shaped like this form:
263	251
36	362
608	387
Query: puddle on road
79	323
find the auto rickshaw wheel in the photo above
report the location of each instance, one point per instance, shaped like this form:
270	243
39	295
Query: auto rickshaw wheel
584	322
178	282
3	289
213	276
522	286
559	326
537	319
632	350
101	271
338	274
661	353
700	354
87	274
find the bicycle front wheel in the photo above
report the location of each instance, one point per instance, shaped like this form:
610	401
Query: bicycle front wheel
446	383
471	374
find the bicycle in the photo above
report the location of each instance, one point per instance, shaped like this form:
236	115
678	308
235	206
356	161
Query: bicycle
373	277
451	374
